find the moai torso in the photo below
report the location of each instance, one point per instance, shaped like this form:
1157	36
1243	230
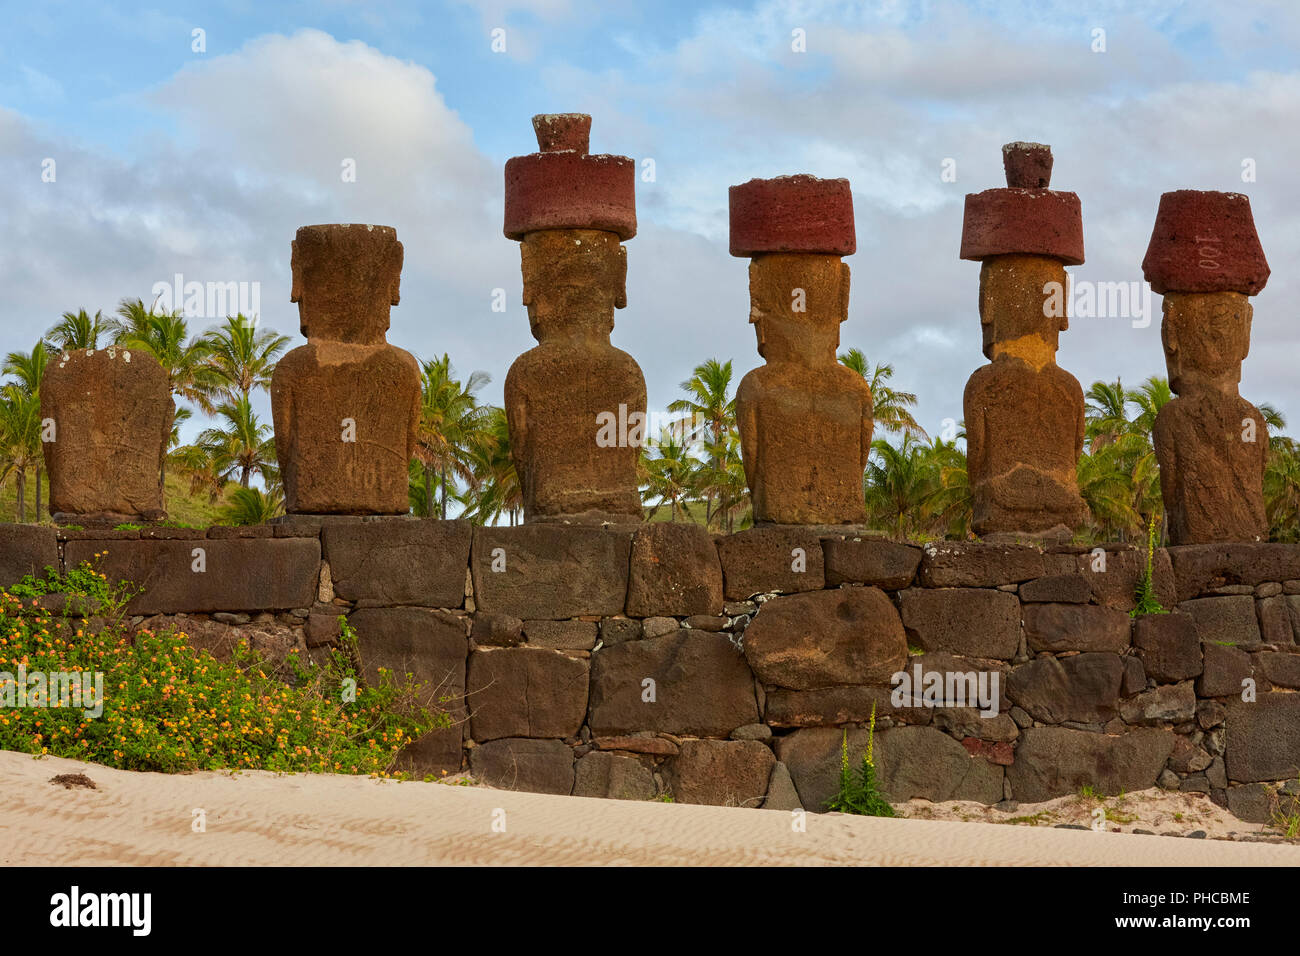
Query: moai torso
106	420
805	420
346	404
570	212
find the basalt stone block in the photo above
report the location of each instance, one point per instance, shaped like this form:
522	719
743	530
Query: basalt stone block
1198	568
1168	646
846	636
1075	627
613	777
431	646
237	575
534	766
497	630
550	571
699	685
1056	761
800	214
882	564
781	793
761	560
399	562
26	549
1205	241
1282	670
1274	620
1253	802
525	692
675	572
111	413
973	564
720	773
1167	704
1083	688
833	706
974	621
1114	582
1224	671
1263	738
1228	620
561	635
1057	589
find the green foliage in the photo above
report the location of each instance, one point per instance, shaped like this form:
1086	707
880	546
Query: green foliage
170	707
1147	602
860	794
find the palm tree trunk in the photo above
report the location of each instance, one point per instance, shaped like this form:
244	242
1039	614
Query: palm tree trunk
428	491
442	476
22	495
38	493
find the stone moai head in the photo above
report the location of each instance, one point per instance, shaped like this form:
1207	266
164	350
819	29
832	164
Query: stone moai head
1024	235
571	212
1205	258
345	280
795	229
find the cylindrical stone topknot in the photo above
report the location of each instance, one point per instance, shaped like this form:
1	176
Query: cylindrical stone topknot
1027	165
1205	241
562	187
559	131
792	214
1025	218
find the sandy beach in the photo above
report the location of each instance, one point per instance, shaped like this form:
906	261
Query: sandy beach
261	818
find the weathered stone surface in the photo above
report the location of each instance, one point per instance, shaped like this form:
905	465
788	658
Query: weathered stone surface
497	630
856	560
760	560
1224	671
561	635
975	621
969	723
525	692
614	777
659	626
974	564
1168	646
846	636
832	706
240	575
1135	676
431	646
322	625
551	571
1169	703
1252	802
706	622
1083	688
1263	741
1040	222
1180	258
1189	758
1274	620
273	641
418	563
1227	620
1283	670
1055	761
1198	568
701	686
575	404
675	572
1115	582
26	549
798	214
1075	627
1057	589
638	743
616	630
720	773
536	766
781	793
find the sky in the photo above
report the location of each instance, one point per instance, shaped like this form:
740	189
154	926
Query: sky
201	153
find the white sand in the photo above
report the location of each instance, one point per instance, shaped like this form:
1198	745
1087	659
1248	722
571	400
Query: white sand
265	819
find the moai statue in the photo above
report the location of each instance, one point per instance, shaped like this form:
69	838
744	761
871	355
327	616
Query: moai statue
1206	260
106	416
347	404
805	419
1024	413
575	404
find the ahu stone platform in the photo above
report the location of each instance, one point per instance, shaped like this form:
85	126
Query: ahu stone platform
630	663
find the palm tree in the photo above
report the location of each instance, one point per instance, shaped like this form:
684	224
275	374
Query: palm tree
891	409
28	368
450	418
250	506
243	441
20	440
494	486
77	330
241	358
713	420
950	502
1106	413
898	485
667	474
1282	489
207	467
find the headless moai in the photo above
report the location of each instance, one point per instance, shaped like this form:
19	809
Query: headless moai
805	419
1024	413
347	404
1206	260
575	404
106	417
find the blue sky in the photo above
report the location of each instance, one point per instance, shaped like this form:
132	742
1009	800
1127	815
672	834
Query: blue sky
205	163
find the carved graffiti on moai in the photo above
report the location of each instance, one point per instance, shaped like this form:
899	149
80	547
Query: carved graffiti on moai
805	419
347	404
1206	260
571	212
106	415
1024	414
